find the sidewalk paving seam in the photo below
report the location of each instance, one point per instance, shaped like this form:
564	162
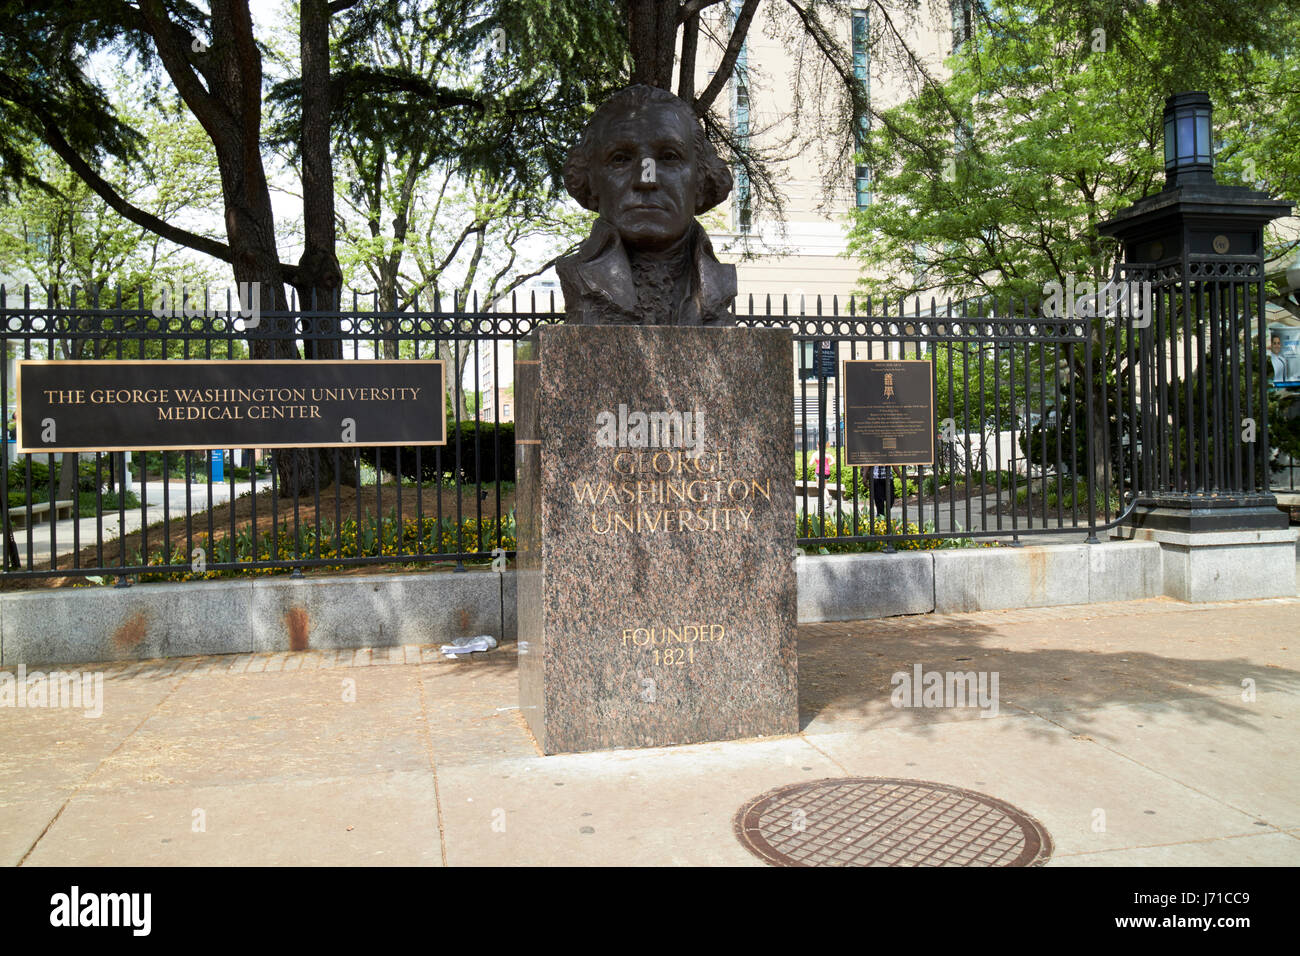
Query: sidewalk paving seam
1151	846
1133	760
109	756
433	769
808	740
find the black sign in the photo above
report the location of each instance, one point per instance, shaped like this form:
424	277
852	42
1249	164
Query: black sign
179	405
818	360
889	411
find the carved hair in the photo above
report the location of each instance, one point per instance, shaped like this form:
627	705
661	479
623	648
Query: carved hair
714	181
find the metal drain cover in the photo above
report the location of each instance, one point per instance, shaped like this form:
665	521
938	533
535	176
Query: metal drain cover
881	821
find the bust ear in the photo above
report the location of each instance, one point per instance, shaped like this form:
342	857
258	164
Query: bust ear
714	184
577	178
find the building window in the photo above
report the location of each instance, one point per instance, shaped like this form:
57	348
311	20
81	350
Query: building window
862	73
862	66
961	23
742	210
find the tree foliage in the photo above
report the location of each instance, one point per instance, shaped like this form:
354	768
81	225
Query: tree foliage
994	180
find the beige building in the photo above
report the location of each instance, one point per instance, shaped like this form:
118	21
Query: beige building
805	255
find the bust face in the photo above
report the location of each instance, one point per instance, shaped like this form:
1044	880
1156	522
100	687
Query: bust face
651	204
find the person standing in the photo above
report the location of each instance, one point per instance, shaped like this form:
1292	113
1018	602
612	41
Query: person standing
882	489
825	463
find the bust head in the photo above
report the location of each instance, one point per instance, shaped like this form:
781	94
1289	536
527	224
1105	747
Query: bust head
646	166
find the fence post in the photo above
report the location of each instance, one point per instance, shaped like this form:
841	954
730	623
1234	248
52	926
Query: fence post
1200	246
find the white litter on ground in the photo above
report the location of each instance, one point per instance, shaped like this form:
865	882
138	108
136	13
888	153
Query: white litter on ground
468	645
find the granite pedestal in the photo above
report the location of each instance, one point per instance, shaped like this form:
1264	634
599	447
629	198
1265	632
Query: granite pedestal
656	586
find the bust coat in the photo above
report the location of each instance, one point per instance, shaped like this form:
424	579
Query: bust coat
600	287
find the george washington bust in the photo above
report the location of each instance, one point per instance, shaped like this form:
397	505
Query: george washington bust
645	165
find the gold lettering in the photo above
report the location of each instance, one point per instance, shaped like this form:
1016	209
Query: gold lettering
584	492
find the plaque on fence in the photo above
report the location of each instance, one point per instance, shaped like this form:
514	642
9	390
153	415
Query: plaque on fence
889	411
185	405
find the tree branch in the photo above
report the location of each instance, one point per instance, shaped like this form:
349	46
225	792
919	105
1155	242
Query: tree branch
135	214
171	50
693	7
521	279
729	58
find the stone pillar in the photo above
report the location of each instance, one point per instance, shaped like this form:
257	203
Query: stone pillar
656	583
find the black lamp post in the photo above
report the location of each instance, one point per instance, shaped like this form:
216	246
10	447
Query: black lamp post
1189	152
1201	372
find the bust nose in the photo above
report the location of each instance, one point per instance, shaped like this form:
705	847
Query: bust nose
646	174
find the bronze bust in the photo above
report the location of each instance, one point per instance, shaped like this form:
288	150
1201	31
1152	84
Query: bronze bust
645	165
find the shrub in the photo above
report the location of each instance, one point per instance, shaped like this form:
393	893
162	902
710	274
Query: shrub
478	443
810	527
371	537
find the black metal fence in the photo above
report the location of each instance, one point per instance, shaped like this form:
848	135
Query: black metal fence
1045	426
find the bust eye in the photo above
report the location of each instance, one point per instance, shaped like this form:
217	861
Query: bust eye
618	158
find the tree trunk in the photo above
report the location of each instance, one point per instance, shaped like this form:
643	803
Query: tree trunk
319	280
68	477
652	35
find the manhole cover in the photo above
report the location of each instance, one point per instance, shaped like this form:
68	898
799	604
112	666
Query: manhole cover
878	821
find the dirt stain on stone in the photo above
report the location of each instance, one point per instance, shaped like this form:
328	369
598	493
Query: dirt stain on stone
295	619
132	632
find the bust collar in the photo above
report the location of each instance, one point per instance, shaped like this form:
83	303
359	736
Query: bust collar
601	265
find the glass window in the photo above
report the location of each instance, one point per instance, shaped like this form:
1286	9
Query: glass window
862	183
861	67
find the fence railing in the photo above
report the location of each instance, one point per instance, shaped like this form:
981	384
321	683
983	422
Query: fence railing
1040	430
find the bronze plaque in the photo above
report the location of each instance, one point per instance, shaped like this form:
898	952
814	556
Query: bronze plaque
889	411
179	405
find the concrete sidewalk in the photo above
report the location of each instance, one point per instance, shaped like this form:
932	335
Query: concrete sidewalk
72	534
1135	710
